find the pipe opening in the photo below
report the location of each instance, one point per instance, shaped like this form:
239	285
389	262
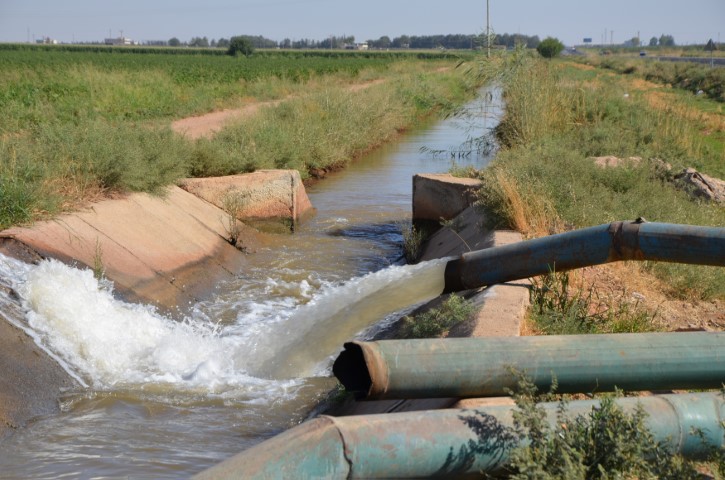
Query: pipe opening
351	370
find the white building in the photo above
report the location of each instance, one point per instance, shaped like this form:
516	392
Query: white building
119	41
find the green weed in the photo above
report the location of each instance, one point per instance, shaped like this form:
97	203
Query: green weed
605	444
233	203
560	309
412	242
434	322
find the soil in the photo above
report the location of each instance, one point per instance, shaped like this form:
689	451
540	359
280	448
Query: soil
629	282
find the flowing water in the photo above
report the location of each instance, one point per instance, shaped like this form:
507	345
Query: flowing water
162	397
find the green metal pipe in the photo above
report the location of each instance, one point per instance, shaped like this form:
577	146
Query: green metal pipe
617	241
451	442
479	367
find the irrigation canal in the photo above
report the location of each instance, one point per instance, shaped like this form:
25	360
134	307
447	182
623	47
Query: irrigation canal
168	397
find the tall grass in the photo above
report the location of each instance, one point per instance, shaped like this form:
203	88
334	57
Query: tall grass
543	178
57	166
325	129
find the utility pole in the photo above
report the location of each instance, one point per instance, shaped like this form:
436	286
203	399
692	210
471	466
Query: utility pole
488	32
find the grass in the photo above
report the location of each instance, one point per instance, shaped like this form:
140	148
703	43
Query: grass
559	309
693	77
78	125
544	181
434	322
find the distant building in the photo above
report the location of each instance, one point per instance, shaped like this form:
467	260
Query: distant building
47	41
356	46
119	41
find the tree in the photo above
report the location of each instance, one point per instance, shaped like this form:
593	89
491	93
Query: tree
239	45
223	43
402	41
174	42
667	41
199	42
384	42
550	47
653	42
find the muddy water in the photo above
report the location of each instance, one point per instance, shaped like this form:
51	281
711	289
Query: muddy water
163	397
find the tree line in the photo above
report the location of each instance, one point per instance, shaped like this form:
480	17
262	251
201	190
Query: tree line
451	41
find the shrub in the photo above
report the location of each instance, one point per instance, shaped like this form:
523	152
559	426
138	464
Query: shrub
550	47
607	443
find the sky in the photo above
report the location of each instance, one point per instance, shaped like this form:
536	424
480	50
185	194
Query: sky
693	21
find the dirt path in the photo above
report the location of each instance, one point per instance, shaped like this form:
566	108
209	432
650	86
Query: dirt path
207	125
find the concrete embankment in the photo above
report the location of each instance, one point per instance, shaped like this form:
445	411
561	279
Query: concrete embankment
165	250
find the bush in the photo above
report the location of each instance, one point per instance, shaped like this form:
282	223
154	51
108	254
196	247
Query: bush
605	444
550	47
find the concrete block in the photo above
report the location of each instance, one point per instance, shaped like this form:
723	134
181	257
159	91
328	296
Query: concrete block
267	195
441	196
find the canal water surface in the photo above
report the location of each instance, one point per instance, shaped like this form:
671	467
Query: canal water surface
163	397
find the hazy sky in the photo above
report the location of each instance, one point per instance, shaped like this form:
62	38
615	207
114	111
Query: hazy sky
693	21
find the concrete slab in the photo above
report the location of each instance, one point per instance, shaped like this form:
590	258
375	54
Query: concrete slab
164	250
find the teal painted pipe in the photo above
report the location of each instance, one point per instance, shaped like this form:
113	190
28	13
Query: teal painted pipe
480	367
617	241
449	442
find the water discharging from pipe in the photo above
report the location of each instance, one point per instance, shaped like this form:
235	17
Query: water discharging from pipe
108	342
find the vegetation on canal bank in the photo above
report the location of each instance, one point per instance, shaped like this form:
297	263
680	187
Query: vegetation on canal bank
79	125
544	179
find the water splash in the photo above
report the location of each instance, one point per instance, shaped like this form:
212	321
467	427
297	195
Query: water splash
274	341
302	345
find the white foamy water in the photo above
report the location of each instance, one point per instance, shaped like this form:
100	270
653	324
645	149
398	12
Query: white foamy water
272	343
111	343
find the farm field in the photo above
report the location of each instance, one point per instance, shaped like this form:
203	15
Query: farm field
80	123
